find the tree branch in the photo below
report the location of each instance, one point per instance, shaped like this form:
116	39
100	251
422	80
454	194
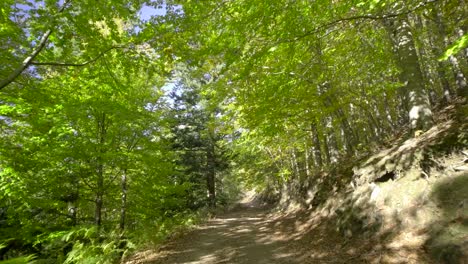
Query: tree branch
27	62
360	17
70	64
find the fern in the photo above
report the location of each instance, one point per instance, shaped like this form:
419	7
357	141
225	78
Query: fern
19	260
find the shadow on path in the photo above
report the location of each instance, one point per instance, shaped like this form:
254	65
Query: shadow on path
246	235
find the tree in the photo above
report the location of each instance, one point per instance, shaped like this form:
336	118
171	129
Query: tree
97	147
415	95
68	34
287	66
196	139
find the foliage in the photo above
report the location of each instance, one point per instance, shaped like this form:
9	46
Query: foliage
456	47
116	131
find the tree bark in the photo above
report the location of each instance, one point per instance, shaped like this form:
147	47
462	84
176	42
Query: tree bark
101	130
123	208
461	33
460	78
316	146
420	114
98	200
307	159
295	163
71	206
211	175
330	144
389	113
25	64
347	133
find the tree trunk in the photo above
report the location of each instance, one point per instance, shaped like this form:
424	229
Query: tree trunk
101	131
295	164
442	66
461	33
331	146
389	113
72	198
123	208
460	78
307	159
316	145
98	200
347	134
211	175
71	206
420	114
374	125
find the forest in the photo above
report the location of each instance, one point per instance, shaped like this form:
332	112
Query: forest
125	122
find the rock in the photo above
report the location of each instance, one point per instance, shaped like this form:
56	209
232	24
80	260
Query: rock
375	192
348	233
461	168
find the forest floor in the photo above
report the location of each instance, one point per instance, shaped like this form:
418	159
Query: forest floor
253	234
249	234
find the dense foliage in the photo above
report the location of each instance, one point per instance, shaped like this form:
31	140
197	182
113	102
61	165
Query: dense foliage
116	127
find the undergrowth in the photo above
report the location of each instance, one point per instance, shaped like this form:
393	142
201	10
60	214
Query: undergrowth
92	245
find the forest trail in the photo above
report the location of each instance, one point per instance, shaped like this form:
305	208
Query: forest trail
248	234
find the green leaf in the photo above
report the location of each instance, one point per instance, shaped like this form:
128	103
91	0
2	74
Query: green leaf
20	260
460	44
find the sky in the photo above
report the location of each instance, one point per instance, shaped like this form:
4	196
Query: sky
146	12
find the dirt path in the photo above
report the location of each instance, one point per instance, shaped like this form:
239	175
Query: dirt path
251	235
246	235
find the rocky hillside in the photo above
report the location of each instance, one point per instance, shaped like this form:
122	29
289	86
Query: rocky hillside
406	203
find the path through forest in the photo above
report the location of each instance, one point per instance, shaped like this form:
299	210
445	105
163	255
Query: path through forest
249	234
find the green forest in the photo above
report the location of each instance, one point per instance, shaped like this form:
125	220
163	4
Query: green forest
126	122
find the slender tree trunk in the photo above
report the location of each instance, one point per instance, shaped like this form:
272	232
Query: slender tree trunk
123	207
429	62
331	145
211	175
442	66
101	130
295	164
278	163
72	199
347	134
389	113
307	159
379	120
374	125
461	33
71	206
99	197
460	78
422	53
317	154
